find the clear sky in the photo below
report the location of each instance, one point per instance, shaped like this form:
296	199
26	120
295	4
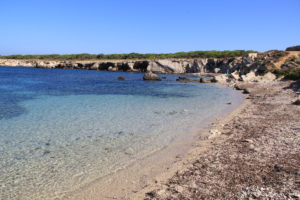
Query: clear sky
146	26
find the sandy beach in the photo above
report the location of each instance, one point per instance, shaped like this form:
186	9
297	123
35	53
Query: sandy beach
150	100
256	154
252	153
131	181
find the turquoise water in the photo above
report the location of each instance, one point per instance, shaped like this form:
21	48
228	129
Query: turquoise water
62	129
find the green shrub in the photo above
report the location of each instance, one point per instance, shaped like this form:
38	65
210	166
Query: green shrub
289	74
293	74
86	56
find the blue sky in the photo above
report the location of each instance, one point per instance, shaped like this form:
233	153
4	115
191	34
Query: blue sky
146	26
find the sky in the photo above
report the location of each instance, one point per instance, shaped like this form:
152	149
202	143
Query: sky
146	26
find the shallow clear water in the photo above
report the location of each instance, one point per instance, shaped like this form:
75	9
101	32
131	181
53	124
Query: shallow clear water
62	129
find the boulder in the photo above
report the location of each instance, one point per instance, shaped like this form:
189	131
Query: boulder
94	66
112	69
149	76
269	77
221	78
249	77
242	87
239	87
213	80
235	75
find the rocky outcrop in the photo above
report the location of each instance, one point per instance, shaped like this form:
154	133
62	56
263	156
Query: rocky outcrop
149	76
258	62
206	65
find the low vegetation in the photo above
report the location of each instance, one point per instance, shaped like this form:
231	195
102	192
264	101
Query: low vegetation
290	74
294	48
85	56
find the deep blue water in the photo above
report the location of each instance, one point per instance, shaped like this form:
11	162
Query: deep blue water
18	84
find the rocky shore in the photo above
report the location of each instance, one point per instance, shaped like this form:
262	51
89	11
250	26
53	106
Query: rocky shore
210	65
259	62
254	155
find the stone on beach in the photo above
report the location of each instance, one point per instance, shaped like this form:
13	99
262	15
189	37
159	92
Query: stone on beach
242	87
214	133
259	158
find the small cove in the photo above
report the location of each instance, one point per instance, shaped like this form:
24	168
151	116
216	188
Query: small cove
63	129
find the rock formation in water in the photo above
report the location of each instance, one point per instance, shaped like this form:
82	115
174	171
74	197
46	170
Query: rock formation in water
150	76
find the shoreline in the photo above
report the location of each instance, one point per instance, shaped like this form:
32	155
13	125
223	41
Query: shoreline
131	182
257	113
256	155
206	139
160	157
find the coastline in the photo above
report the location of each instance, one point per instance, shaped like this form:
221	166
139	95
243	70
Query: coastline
132	181
177	148
255	157
166	179
206	140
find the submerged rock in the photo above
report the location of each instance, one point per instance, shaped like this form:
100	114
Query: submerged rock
212	80
184	79
149	76
129	151
46	152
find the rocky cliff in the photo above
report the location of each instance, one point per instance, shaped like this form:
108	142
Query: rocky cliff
251	62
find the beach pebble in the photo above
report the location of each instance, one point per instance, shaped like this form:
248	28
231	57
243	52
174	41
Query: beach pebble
193	184
129	151
179	188
172	113
214	133
161	192
247	140
46	152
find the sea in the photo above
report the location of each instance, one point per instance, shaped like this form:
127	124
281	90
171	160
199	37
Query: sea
62	129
